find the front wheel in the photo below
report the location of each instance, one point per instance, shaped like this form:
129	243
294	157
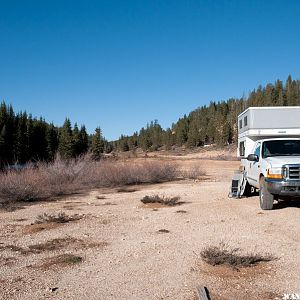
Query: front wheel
248	190
266	199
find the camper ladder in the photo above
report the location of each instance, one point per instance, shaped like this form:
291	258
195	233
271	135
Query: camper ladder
238	184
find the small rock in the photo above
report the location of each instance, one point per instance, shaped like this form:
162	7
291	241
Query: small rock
52	289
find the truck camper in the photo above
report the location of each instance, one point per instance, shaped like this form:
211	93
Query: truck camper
269	150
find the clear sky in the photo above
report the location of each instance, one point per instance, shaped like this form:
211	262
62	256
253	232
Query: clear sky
120	64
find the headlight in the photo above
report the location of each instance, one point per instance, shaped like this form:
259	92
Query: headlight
277	173
284	172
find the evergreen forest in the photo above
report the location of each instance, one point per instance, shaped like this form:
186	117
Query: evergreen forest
24	138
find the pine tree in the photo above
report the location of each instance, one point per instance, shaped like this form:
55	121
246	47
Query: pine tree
52	142
65	146
83	140
97	146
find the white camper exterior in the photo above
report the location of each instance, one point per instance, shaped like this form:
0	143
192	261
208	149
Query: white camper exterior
257	123
269	149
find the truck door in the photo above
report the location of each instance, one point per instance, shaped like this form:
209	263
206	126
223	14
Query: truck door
254	168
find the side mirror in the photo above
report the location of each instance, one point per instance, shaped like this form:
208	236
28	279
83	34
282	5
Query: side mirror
252	157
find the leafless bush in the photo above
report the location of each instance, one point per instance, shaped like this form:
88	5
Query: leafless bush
56	218
194	172
126	173
224	255
65	177
24	185
164	200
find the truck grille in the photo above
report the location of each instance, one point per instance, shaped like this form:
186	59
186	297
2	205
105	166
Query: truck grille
294	172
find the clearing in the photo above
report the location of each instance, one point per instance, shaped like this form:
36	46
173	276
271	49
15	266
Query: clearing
115	247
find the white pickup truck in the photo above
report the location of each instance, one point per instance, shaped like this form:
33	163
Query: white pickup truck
269	149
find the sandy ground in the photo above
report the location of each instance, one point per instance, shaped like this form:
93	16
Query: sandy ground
126	257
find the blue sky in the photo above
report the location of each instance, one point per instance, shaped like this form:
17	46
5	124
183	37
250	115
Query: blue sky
120	64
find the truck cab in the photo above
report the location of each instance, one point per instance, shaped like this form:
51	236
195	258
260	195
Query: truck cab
269	150
274	169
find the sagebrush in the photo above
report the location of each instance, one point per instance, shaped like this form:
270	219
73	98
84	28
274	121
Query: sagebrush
61	217
225	255
164	200
63	177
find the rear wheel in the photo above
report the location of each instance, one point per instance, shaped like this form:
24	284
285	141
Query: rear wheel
266	199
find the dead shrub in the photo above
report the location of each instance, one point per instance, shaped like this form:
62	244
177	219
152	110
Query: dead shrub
163	231
224	255
61	217
109	203
63	177
21	185
12	248
126	190
62	260
63	243
127	173
164	200
193	172
55	244
7	261
35	228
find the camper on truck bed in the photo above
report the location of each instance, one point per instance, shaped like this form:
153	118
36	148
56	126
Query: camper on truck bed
269	149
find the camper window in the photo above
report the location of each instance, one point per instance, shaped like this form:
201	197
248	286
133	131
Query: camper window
245	121
242	148
241	124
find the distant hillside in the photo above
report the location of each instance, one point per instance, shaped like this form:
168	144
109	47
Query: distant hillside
214	123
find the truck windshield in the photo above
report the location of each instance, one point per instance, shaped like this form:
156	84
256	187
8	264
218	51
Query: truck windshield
281	148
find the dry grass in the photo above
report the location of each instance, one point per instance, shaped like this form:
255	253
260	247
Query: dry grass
73	176
12	248
7	261
61	217
224	255
63	243
54	245
163	200
109	203
35	228
62	260
126	190
163	231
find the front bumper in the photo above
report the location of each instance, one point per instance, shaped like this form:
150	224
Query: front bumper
283	187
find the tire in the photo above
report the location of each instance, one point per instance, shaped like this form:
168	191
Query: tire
266	199
247	191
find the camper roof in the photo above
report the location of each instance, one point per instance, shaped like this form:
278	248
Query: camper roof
268	108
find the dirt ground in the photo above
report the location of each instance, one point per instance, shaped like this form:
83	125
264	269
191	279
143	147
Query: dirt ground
121	252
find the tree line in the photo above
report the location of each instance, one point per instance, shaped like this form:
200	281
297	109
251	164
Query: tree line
24	138
215	123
